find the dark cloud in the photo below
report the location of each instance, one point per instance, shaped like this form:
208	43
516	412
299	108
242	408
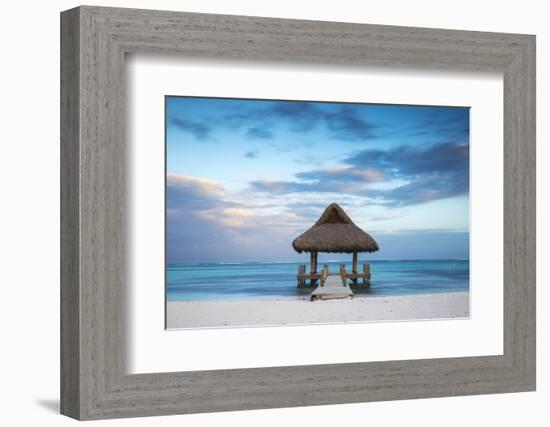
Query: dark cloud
431	173
343	123
296	115
444	122
258	133
197	129
407	160
347	125
251	154
424	189
301	116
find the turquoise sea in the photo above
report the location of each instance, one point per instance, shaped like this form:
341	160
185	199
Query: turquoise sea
265	280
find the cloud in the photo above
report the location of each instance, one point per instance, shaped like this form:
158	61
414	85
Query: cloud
444	122
196	185
342	174
298	116
228	216
309	159
347	125
265	119
197	193
429	173
425	189
316	186
257	133
408	160
342	122
281	187
251	154
205	222
197	129
200	222
384	217
301	116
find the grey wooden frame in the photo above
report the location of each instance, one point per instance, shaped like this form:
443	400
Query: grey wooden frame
94	382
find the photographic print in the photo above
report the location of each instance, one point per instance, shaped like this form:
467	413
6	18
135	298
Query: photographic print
292	212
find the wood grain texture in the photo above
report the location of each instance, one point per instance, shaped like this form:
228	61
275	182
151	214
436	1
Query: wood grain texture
94	381
70	292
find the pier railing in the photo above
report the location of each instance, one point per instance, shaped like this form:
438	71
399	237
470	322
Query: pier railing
324	274
343	274
303	276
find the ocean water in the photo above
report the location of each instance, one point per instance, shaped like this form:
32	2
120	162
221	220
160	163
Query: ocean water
222	281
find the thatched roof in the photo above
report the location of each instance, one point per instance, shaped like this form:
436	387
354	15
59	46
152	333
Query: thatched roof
334	231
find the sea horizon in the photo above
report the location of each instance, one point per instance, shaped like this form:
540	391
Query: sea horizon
320	262
277	279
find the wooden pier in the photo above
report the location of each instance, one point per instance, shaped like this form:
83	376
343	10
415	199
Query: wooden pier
331	286
306	280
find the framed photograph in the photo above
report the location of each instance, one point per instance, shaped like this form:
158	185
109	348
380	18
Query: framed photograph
262	213
239	224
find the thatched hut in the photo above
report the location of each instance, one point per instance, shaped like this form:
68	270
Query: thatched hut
334	231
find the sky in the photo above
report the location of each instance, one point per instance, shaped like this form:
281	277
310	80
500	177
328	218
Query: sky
245	177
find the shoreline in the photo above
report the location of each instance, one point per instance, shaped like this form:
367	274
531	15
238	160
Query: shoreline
285	311
305	297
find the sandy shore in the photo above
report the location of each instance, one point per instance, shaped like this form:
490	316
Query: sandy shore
197	314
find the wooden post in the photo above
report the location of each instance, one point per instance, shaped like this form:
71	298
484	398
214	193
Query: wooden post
343	274
324	274
315	261
366	272
354	267
313	267
301	272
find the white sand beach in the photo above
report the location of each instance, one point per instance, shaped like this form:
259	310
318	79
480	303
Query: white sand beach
287	311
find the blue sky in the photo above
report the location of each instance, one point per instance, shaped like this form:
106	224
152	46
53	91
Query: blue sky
245	177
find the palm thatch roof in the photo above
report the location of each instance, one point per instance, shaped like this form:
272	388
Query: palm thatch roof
334	231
